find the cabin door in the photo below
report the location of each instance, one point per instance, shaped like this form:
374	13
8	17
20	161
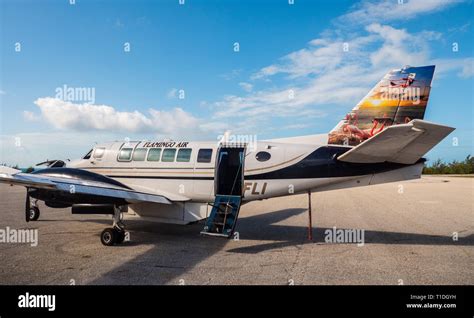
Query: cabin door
229	171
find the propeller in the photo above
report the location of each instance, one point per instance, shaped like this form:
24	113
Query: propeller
52	163
27	206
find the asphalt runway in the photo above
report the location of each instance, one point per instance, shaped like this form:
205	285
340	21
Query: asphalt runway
408	235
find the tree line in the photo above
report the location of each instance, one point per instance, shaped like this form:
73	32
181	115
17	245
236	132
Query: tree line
454	167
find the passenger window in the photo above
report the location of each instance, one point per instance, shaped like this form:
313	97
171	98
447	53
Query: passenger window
154	154
184	155
99	153
168	155
125	154
204	155
139	154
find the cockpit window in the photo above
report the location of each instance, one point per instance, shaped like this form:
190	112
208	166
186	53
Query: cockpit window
99	153
125	154
88	155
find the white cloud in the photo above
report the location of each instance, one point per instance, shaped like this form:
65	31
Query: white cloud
460	29
391	10
172	93
2	92
321	56
84	117
264	72
30	116
246	86
400	47
118	23
468	68
464	67
235	73
297	126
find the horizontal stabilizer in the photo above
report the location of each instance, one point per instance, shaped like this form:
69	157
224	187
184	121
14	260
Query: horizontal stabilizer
404	143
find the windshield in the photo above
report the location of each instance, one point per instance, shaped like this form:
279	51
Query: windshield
88	155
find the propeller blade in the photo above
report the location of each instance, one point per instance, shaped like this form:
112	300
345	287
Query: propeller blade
52	163
47	162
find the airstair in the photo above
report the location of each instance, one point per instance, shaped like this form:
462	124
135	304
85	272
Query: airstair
223	217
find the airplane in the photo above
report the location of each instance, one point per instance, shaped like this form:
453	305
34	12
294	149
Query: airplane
183	182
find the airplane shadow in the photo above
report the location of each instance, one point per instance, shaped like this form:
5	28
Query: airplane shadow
177	248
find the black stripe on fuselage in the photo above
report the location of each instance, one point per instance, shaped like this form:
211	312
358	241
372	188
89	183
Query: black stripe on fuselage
323	163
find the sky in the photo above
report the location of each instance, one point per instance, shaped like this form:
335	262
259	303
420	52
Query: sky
77	72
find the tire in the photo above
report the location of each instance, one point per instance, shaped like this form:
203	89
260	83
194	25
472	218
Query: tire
108	237
34	213
120	236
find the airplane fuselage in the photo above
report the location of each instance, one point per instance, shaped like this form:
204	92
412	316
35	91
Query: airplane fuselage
186	171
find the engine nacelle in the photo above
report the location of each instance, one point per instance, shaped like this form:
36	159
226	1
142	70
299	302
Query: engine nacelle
57	205
92	209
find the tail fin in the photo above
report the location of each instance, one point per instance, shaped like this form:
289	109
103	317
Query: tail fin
401	96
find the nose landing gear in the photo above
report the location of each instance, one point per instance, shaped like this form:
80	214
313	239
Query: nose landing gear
32	212
115	234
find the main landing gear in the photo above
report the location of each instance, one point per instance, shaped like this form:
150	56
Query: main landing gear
115	234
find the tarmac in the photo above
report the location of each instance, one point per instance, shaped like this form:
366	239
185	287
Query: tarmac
414	232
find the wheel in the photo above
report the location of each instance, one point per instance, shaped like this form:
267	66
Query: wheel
108	237
34	213
119	236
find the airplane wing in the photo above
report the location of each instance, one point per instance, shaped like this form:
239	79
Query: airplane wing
404	143
78	182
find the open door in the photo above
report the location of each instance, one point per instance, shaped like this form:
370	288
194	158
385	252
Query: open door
228	187
229	176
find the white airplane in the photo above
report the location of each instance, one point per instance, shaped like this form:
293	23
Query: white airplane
381	140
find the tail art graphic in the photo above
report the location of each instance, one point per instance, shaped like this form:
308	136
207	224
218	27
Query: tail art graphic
401	96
